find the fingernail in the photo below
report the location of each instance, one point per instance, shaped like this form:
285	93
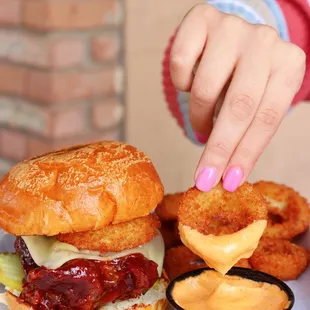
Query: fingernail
232	179
206	179
201	138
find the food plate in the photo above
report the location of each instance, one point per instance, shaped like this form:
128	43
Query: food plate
299	287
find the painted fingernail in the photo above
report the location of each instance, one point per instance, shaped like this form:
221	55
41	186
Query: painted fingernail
201	138
206	179
232	179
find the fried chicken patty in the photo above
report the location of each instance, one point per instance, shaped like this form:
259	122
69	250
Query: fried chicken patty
288	212
280	258
115	238
206	212
167	210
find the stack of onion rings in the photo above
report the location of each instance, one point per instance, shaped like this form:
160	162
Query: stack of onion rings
288	212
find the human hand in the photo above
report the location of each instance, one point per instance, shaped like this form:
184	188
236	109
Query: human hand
251	72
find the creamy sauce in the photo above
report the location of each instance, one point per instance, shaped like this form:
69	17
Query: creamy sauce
52	254
223	252
213	291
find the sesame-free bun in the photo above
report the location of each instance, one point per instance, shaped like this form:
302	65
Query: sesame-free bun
153	299
80	188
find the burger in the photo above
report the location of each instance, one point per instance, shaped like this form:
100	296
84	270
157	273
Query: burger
86	233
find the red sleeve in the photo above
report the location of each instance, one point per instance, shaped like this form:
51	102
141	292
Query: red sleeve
297	15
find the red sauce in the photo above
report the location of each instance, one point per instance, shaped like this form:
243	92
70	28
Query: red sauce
88	284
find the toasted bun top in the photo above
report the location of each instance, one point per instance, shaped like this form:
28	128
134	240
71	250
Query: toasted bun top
81	188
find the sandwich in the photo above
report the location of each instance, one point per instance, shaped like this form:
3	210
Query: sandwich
87	236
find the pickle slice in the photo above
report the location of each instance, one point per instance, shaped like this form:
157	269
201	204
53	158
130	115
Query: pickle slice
11	271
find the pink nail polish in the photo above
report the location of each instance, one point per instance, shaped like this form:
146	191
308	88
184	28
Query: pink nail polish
201	138
232	179
206	179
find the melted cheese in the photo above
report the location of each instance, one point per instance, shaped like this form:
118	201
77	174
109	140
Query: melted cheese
223	252
52	254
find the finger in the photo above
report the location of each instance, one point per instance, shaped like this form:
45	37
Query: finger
213	73
189	44
240	105
279	94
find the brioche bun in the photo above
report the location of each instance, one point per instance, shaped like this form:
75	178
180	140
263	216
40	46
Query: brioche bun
81	188
154	299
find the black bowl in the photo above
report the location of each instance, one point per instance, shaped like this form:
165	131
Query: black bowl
250	274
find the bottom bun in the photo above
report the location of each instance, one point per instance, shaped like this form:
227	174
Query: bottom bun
153	299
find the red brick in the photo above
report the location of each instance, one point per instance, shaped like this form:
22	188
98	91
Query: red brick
24	115
10	12
106	114
12	79
37	147
68	122
58	87
13	145
70	14
106	47
40	51
66	53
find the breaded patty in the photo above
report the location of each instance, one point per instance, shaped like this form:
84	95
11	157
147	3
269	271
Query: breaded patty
206	212
167	210
280	258
288	212
115	238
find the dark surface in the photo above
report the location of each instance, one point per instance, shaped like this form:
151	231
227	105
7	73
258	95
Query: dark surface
250	274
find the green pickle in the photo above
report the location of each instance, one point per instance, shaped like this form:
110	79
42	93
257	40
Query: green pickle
11	271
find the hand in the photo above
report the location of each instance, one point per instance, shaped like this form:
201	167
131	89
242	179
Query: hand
256	74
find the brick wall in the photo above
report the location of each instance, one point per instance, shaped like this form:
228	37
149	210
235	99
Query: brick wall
61	75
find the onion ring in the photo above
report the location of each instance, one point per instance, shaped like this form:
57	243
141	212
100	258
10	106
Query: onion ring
117	237
280	258
167	210
206	212
180	259
288	212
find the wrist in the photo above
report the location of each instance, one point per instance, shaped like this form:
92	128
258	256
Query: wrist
266	12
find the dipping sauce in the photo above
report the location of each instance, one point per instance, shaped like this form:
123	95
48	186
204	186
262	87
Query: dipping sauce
213	291
223	252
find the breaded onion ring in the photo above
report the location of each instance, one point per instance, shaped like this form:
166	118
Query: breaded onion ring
115	238
288	212
180	259
206	212
280	258
167	210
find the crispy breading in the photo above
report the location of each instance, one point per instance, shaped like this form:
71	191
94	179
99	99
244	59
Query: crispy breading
280	258
115	238
180	259
206	212
288	212
243	263
167	210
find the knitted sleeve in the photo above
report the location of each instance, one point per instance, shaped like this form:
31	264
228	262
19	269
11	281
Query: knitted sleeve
291	18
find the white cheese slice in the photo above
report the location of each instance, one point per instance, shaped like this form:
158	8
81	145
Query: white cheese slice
52	254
